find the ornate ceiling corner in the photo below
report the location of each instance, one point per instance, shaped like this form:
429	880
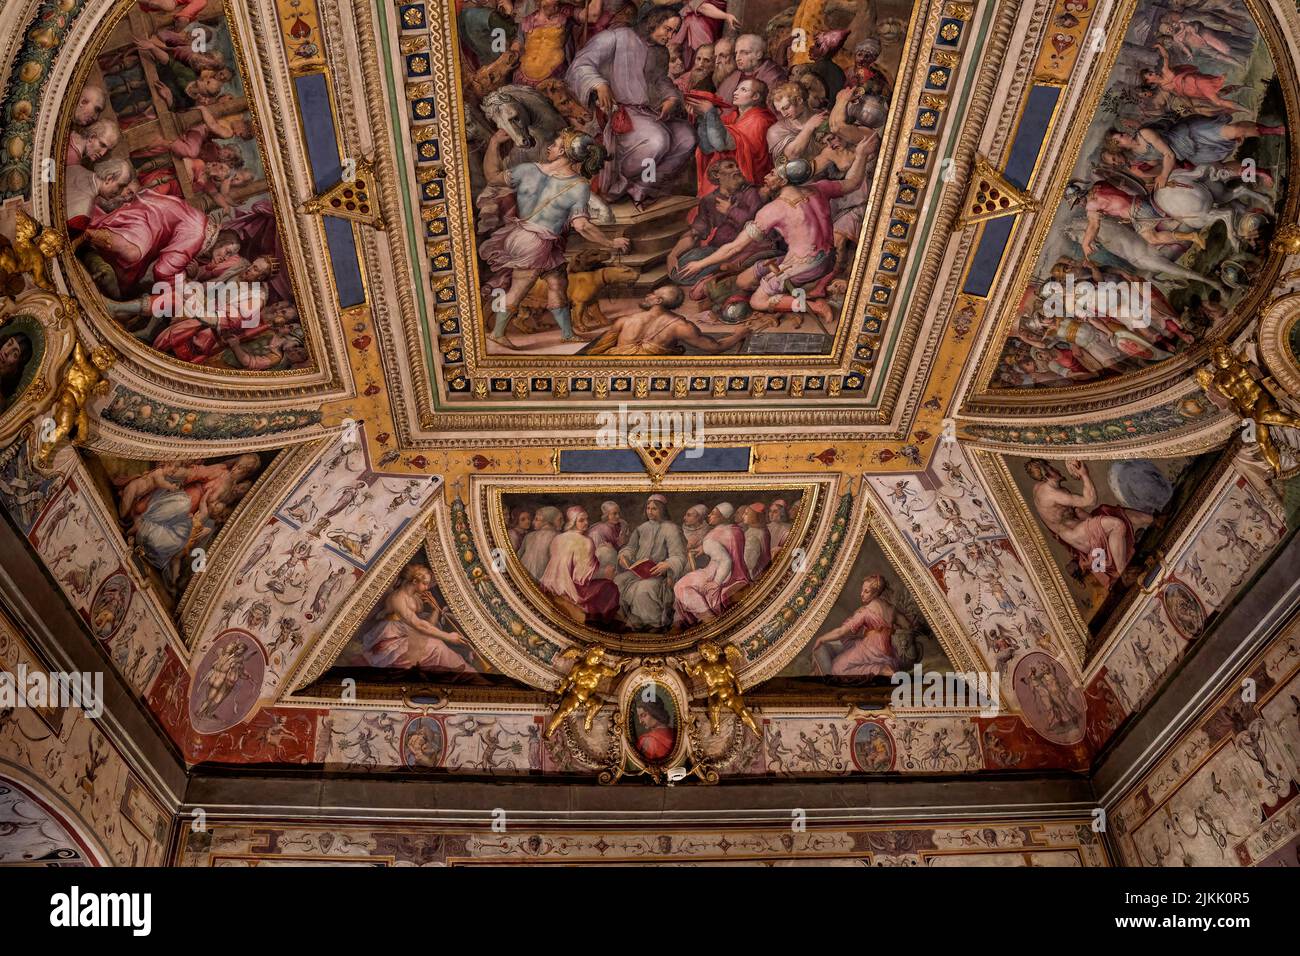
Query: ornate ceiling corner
227	550
1061	608
305	264
952	524
1116	394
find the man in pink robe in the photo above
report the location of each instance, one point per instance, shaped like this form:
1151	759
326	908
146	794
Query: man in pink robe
609	535
573	573
758	542
536	553
800	213
152	229
704	594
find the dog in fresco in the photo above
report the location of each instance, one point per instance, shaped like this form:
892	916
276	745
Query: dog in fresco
587	282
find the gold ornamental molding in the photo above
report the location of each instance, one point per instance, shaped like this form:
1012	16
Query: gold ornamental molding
1278	335
353	197
42	324
991	195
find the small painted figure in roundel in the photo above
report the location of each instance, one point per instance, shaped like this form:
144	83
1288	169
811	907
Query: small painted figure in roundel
1051	702
227	682
423	742
873	749
1183	608
653	723
109	605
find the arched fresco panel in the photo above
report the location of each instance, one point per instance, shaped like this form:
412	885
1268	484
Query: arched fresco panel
1163	229
166	198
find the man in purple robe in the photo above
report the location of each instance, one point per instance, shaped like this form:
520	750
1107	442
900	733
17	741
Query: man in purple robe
623	73
752	63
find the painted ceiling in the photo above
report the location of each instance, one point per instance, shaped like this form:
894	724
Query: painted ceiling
332	332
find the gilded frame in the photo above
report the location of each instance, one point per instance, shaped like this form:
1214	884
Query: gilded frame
300	232
52	319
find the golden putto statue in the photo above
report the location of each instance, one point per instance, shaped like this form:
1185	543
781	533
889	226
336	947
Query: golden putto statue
82	381
716	670
579	686
29	253
1230	377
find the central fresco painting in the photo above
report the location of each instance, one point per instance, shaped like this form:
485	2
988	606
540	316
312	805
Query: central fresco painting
656	180
654	564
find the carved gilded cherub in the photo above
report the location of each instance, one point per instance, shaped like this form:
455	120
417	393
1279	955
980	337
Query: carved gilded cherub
1230	377
82	381
578	688
29	253
716	669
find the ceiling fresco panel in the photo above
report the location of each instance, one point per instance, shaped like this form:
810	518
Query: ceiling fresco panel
1103	522
1173	192
172	512
384	528
167	197
875	629
882	55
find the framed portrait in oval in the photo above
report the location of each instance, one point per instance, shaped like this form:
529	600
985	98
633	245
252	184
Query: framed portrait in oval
654	711
34	340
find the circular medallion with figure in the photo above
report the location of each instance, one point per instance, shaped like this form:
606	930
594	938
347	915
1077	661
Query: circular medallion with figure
1183	608
1049	699
873	747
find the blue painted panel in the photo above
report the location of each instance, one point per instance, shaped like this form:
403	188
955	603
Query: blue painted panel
318	125
984	266
625	461
343	258
1030	133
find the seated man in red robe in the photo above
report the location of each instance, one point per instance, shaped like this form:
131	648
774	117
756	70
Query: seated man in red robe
152	229
738	133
